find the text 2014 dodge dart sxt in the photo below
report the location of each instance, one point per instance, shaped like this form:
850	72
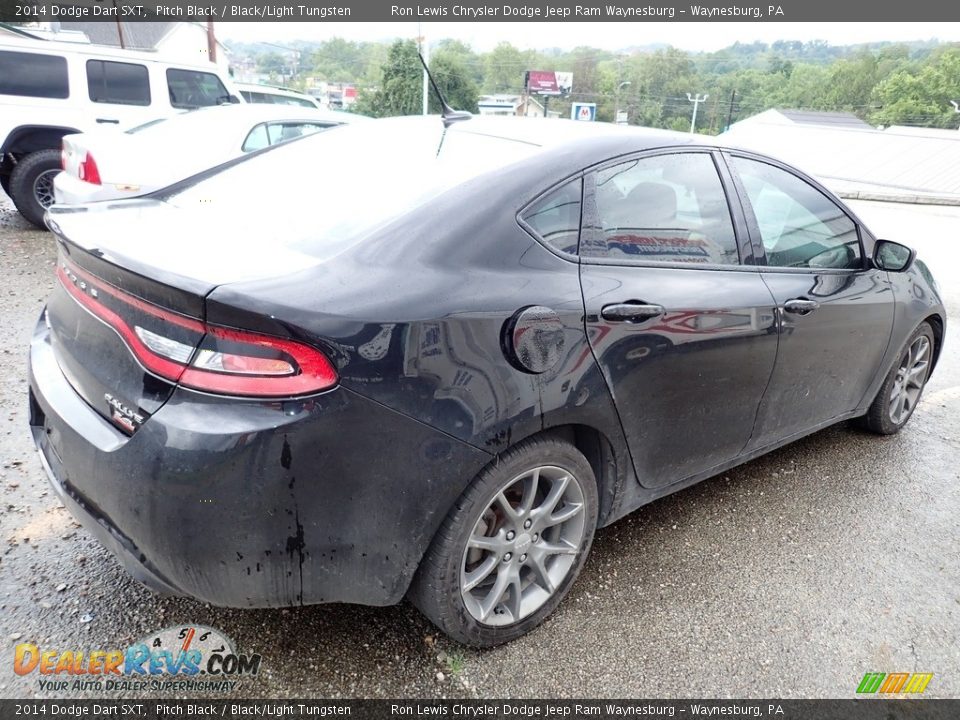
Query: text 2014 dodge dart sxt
413	359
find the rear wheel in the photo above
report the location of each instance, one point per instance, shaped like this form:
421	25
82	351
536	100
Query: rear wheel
512	546
31	184
898	396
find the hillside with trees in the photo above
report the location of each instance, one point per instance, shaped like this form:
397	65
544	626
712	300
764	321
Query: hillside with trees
884	83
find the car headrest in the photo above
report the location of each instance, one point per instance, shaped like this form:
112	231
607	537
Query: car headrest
659	203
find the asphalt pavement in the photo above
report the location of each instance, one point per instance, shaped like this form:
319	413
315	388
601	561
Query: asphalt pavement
790	576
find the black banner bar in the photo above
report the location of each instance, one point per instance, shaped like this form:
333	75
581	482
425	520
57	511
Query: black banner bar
482	11
158	709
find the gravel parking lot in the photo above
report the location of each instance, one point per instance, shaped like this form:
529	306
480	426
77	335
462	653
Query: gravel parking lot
790	576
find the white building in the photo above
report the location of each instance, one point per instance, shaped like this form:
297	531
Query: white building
513	105
857	160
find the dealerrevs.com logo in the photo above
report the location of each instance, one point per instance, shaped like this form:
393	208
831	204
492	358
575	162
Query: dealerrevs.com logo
179	658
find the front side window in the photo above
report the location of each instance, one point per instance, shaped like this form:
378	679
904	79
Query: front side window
664	208
117	82
33	75
800	226
556	217
192	89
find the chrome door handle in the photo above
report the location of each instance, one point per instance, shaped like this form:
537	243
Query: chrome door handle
631	312
800	306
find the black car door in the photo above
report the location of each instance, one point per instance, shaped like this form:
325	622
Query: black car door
834	310
683	332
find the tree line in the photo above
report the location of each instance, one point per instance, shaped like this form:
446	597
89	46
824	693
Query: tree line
882	83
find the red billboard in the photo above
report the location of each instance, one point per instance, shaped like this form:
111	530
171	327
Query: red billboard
549	82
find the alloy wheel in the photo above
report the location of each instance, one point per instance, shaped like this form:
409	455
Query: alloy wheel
909	380
523	546
43	187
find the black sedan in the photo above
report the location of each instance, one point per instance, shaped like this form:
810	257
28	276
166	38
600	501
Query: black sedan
433	369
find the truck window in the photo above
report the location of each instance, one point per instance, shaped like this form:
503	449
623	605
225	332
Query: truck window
193	89
33	75
117	82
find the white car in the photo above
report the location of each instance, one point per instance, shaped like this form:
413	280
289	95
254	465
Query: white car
112	164
49	89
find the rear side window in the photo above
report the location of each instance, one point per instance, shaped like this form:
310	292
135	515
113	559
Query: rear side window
664	208
32	75
118	83
556	217
192	89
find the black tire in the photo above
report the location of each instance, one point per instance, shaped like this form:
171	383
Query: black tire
22	179
437	590
882	417
5	183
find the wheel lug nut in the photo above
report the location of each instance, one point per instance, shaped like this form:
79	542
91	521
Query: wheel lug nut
511	535
527	523
506	558
523	558
536	537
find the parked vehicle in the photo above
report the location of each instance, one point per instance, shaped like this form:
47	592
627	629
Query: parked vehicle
273	95
50	89
436	372
109	165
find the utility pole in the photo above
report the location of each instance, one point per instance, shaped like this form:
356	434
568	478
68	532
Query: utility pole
696	104
616	111
211	42
733	99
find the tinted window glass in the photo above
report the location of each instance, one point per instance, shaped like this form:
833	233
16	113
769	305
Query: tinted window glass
120	83
32	75
556	217
190	89
799	225
283	131
666	208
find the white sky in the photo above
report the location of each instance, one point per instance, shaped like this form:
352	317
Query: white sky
607	35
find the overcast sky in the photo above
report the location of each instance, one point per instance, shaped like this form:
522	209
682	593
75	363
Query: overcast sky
611	36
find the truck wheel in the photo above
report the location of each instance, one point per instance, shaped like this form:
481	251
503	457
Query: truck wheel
31	184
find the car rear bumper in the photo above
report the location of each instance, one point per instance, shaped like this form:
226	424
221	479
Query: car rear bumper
70	190
332	498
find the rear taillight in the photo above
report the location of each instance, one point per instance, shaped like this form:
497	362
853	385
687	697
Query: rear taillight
198	355
88	171
63	158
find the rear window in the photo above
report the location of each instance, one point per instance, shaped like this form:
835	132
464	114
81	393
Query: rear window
118	83
33	75
327	191
192	89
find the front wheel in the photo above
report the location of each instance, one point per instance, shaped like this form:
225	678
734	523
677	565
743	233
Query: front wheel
898	396
512	546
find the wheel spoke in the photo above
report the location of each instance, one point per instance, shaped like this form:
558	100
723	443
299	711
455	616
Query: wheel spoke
550	502
496	593
570	510
538	565
507	508
530	485
495	544
560	548
481	573
516	595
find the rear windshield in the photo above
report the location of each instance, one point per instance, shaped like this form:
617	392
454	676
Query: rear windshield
324	192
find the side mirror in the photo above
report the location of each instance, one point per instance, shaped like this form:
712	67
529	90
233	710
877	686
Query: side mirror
892	256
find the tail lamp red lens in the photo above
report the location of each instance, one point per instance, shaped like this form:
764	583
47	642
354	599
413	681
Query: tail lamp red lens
88	171
216	359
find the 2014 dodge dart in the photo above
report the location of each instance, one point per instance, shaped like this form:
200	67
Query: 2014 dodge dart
435	372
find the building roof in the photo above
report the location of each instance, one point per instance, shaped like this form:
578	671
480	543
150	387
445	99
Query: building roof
826	119
136	35
899	160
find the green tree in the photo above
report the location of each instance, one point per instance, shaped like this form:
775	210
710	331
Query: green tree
400	89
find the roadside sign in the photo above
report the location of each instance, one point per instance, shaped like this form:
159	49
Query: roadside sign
583	111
